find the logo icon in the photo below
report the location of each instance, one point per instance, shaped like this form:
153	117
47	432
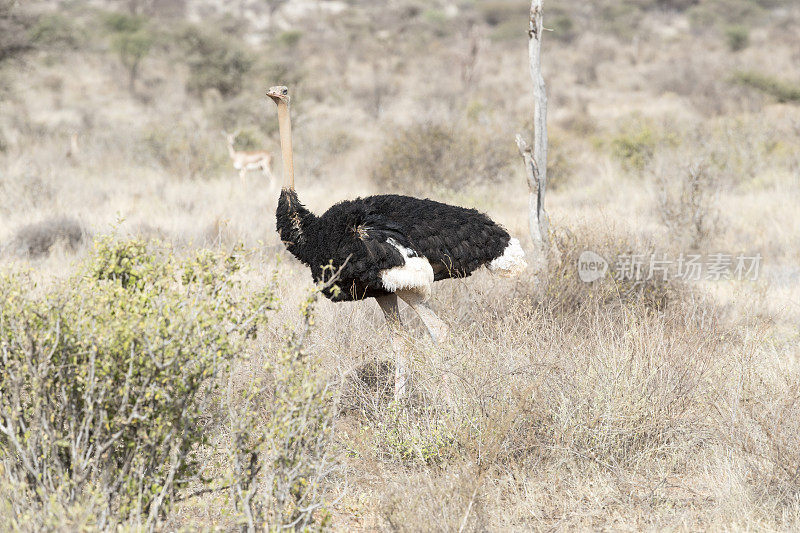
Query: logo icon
591	266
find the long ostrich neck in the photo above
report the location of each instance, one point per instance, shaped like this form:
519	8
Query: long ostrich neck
285	126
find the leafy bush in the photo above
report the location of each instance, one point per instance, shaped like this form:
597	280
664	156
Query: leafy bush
638	140
780	90
279	468
106	377
427	155
39	238
290	38
635	147
214	62
55	29
132	48
416	439
737	37
131	40
123	23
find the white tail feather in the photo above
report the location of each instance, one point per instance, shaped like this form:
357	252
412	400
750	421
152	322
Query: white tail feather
512	262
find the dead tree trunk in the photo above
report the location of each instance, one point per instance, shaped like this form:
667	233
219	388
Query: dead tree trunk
535	159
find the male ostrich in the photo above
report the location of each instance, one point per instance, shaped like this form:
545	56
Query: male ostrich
389	245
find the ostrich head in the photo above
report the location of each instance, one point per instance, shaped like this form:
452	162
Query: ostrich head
280	95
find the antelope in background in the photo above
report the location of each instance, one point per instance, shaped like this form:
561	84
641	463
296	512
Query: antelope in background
248	160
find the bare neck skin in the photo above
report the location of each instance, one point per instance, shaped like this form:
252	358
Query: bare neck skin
285	127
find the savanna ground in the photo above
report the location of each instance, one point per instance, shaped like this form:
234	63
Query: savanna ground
165	364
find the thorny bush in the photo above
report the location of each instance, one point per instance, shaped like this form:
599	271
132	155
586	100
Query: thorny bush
106	377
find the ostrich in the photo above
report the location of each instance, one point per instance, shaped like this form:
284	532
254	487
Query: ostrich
387	246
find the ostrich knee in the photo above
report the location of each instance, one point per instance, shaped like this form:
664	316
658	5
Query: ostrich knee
437	328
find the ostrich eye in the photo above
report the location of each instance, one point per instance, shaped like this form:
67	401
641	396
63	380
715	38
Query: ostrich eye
285	91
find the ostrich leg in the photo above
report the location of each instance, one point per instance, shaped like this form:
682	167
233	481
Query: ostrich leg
435	325
391	311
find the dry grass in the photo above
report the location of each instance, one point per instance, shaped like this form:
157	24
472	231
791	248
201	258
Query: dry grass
556	404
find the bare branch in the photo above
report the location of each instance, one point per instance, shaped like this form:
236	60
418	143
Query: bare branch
535	159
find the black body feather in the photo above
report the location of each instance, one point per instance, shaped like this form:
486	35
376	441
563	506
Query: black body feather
455	240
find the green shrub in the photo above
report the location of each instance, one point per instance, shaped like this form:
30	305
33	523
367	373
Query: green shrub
425	156
290	38
55	29
214	62
279	468
421	440
132	48
638	140
780	90
106	376
131	40
634	148
737	37
123	23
